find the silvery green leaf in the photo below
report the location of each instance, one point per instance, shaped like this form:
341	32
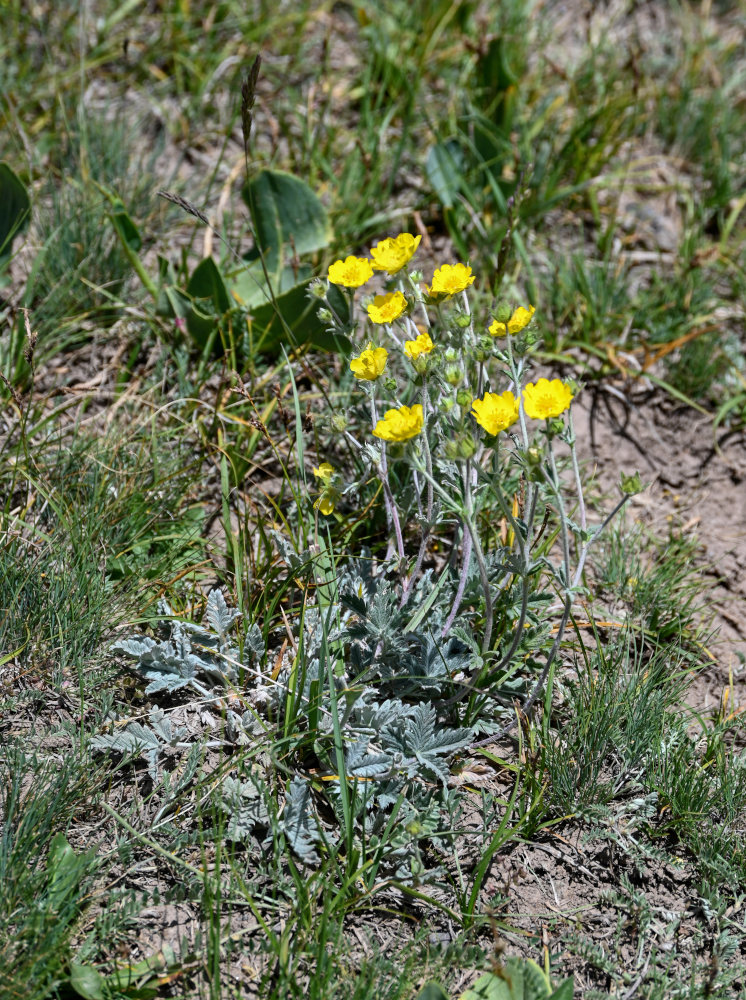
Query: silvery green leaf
162	727
136	648
361	764
418	739
254	646
218	615
298	822
136	739
244	804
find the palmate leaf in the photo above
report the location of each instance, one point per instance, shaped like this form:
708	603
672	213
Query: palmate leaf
245	806
361	764
147	741
218	615
298	822
167	667
418	740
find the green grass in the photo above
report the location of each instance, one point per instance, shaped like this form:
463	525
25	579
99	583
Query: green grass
165	482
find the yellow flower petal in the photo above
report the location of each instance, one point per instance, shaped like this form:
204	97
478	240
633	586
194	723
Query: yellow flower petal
387	308
401	424
546	399
324	471
449	279
521	318
352	272
369	365
392	254
325	504
420	345
495	412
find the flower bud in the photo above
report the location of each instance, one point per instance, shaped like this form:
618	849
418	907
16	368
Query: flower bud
466	446
453	375
464	397
556	426
630	485
523	343
339	422
534	456
317	287
503	312
451	450
325	315
450	356
462	321
420	364
390	384
446	404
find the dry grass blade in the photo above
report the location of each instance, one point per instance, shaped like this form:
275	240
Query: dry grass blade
248	96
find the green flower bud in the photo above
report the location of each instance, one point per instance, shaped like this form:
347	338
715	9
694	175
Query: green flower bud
339	422
464	397
318	288
462	321
452	451
503	312
453	375
534	456
325	315
523	343
630	485
450	356
466	446
390	384
420	364
556	426
446	404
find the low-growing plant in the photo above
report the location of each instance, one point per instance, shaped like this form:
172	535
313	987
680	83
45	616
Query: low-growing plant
405	659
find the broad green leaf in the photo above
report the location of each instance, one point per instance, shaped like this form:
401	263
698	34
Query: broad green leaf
65	869
288	218
87	981
432	991
519	979
300	313
15	209
206	282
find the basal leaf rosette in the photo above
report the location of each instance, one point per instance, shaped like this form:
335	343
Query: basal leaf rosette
387	308
545	400
400	424
352	272
449	280
369	364
518	321
392	254
496	412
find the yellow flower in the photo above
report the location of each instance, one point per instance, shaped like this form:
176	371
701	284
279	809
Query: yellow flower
546	399
420	345
325	504
387	308
401	424
329	495
370	364
392	254
325	472
352	272
449	279
495	413
520	319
